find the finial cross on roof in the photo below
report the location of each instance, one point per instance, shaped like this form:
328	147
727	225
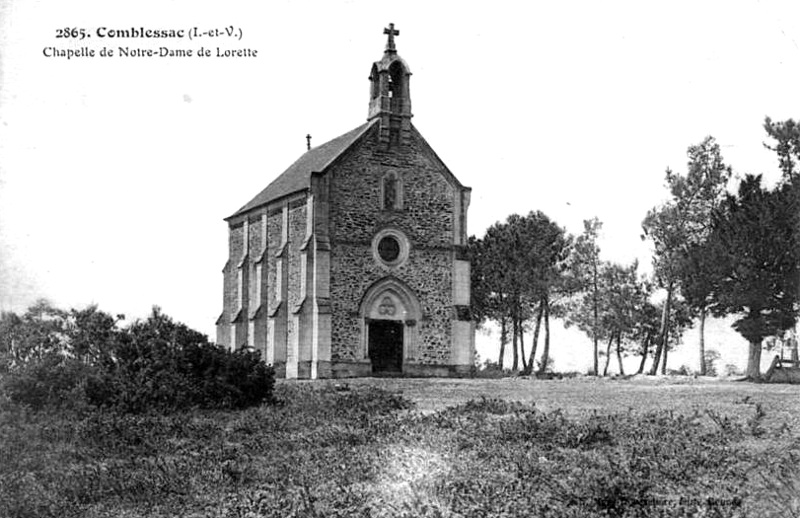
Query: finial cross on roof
392	33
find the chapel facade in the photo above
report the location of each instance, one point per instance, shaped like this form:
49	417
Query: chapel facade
352	262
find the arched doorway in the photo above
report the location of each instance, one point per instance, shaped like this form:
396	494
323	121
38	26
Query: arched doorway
385	347
389	314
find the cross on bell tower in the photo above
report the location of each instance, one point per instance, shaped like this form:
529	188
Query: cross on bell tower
390	41
390	98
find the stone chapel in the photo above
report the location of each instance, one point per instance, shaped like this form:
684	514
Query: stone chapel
352	261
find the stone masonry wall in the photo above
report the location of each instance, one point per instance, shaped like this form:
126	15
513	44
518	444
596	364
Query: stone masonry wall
426	218
427	212
297	234
235	244
427	273
274	237
254	253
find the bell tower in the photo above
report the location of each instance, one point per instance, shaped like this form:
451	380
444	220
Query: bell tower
390	98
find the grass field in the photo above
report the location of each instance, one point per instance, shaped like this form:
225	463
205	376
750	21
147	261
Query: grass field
578	396
422	447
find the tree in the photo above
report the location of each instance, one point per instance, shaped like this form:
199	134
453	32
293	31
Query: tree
710	363
94	335
755	241
506	245
548	249
488	283
583	279
518	263
40	331
10	326
623	295
787	146
683	222
516	269
647	327
613	313
699	276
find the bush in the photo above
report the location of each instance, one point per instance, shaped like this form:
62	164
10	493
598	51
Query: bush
732	370
551	365
710	359
203	376
491	370
50	381
683	370
155	364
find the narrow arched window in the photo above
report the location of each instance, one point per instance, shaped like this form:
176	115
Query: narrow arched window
390	192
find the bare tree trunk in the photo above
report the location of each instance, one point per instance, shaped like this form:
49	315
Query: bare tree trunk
608	354
521	332
514	343
535	342
754	361
619	355
702	341
661	343
503	340
546	351
665	341
645	348
594	321
656	356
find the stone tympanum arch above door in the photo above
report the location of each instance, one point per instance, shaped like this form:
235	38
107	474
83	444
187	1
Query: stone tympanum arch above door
390	300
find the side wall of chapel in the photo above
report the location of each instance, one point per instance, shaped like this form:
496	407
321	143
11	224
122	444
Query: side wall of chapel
266	285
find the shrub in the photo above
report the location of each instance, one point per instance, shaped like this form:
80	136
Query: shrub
155	364
710	359
165	365
551	365
52	380
491	369
732	370
683	370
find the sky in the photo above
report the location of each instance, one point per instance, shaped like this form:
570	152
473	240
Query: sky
116	172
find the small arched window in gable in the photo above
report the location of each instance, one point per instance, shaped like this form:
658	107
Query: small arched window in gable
391	192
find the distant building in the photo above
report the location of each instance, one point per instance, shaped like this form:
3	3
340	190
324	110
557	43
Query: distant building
351	262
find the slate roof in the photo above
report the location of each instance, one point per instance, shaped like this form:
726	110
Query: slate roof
298	176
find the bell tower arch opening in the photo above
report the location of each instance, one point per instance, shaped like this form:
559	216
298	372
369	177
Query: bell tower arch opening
397	76
374	83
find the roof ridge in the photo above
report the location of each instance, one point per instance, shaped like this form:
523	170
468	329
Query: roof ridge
298	175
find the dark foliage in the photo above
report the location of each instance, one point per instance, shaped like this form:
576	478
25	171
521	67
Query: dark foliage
516	267
81	359
786	135
756	245
51	381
